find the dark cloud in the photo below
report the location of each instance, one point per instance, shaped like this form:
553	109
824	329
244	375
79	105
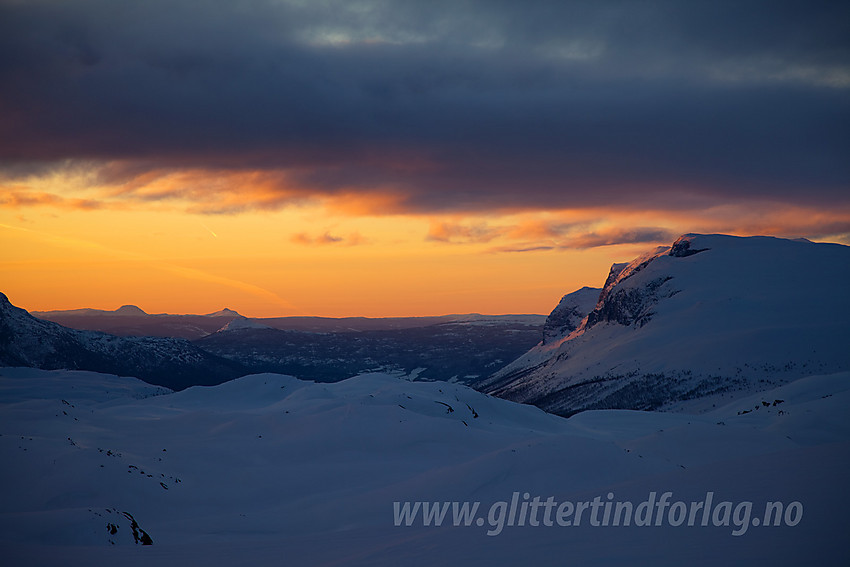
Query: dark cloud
594	239
637	235
534	236
448	105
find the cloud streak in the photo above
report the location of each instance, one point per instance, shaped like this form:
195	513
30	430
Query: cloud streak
581	240
326	238
24	198
452	232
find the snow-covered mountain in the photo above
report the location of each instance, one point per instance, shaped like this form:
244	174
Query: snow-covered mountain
175	363
708	318
266	470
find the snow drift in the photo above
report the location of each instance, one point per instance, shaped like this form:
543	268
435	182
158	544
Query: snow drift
267	469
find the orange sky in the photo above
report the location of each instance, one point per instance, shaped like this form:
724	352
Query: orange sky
372	158
69	242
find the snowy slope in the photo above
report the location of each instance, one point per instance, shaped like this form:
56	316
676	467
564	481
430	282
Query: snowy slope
269	470
241	322
711	317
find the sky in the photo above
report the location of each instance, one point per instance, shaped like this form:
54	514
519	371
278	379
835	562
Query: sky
373	158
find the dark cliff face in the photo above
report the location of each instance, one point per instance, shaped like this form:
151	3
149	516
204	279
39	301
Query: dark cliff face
682	248
630	306
626	305
634	306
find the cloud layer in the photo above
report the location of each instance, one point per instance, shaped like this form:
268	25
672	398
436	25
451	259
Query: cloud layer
431	107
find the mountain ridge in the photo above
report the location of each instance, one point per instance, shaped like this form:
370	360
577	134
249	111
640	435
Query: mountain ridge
188	326
175	363
462	348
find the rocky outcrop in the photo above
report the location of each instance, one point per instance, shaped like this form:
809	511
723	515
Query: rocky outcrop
624	304
682	247
569	313
630	306
139	535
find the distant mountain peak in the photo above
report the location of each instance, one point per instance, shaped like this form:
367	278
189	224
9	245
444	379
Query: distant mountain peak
129	310
226	312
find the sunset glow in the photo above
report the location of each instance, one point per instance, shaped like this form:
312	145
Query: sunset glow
297	159
293	262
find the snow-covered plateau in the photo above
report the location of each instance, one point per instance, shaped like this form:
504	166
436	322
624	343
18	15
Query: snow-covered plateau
271	470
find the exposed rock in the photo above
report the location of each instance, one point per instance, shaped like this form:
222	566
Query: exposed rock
630	306
140	535
567	316
682	248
